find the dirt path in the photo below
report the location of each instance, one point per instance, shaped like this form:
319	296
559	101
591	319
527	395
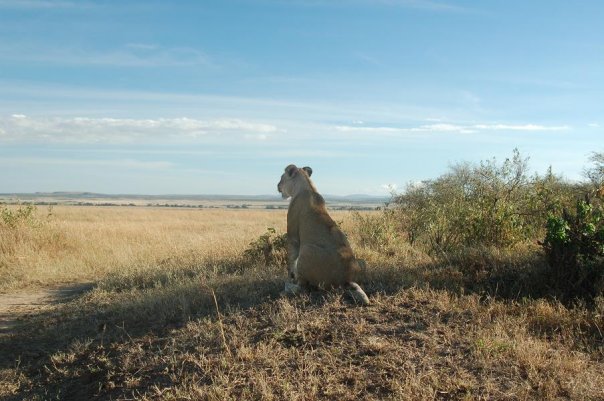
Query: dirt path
18	306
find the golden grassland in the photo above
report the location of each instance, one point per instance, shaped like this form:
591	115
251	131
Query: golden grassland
87	243
178	312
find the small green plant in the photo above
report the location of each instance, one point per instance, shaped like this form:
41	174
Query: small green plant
270	247
574	245
24	215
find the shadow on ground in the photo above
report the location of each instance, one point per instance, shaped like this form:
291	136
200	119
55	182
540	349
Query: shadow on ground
60	352
16	307
99	318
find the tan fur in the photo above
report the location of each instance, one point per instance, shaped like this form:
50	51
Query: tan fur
319	254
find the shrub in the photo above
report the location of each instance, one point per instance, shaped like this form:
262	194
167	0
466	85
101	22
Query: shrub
489	204
21	232
595	173
18	226
24	215
375	231
270	247
574	246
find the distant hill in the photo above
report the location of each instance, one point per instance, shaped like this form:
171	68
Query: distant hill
337	202
201	197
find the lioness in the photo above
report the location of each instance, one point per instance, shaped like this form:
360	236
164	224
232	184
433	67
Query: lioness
318	252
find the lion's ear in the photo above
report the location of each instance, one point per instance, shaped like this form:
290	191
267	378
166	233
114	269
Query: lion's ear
308	170
291	170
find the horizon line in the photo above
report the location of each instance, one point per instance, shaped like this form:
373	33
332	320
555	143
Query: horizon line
47	193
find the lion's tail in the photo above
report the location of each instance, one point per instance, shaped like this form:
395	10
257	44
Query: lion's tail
357	293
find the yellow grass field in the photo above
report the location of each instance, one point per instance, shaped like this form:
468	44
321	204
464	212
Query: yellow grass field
87	243
178	312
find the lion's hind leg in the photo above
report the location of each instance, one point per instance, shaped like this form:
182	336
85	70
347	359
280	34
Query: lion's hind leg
357	293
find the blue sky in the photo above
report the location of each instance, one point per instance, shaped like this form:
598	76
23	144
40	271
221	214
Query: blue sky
217	97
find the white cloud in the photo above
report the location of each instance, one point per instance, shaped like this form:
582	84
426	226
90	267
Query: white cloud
120	163
20	128
378	130
593	125
367	59
447	127
390	188
256	137
143	46
470	97
524	127
90	100
427	5
130	55
393	130
442	127
41	4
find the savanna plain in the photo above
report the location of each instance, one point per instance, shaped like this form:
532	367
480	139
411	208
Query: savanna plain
185	305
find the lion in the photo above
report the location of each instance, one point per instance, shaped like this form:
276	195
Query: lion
318	252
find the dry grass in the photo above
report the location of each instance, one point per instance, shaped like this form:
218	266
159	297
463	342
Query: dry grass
86	243
178	314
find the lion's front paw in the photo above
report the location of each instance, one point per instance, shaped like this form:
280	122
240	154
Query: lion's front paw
291	289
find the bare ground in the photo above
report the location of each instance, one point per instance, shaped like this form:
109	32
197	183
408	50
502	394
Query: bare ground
17	307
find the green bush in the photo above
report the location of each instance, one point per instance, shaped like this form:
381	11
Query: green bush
574	246
270	247
24	215
489	204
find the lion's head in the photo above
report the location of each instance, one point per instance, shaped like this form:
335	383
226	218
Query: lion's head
293	180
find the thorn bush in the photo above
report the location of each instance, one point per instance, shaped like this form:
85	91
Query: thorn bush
489	204
574	246
270	247
24	215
